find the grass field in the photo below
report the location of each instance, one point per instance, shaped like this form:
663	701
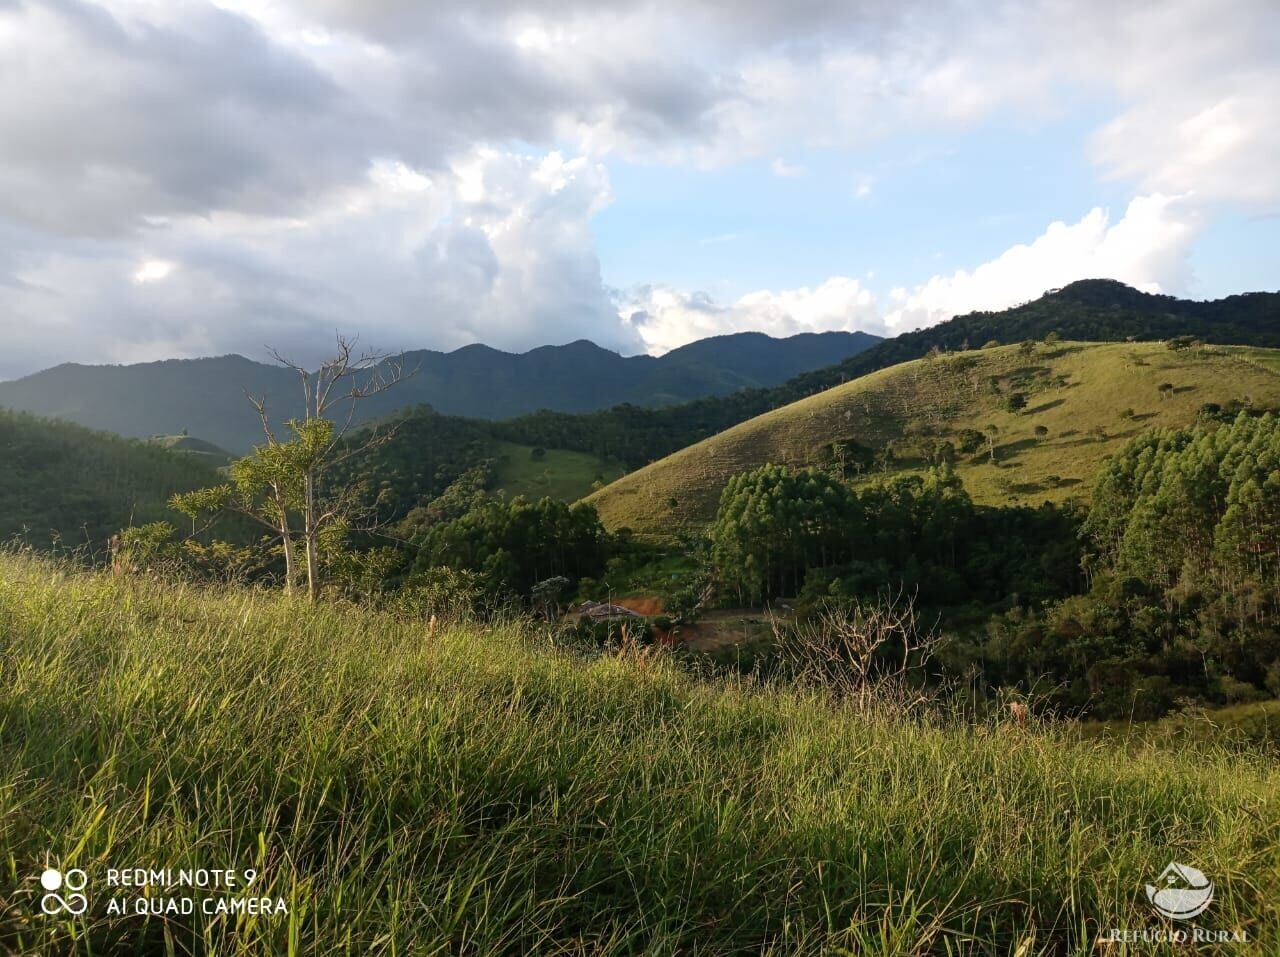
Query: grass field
1089	398
477	791
1267	358
559	473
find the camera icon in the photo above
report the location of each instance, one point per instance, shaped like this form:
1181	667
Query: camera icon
73	881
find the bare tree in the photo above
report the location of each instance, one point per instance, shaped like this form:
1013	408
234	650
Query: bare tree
873	652
346	379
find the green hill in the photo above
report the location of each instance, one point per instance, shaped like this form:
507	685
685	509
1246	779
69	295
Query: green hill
424	452
1095	310
66	483
476	790
568	476
1089	398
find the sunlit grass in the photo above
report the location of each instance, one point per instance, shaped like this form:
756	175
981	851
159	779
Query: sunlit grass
1090	398
475	790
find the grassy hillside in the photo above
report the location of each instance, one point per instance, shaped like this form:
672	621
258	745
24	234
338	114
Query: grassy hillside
197	448
1090	399
1094	310
563	475
61	482
475	791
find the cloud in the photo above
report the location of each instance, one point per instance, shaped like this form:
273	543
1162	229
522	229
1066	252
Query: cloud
780	167
186	177
666	318
110	123
497	249
1199	90
1146	248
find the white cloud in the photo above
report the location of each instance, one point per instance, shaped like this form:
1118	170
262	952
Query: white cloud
153	270
780	167
236	139
496	249
666	318
1199	85
1146	248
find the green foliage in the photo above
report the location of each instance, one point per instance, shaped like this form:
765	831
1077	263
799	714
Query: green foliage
466	492
1184	532
61	483
517	544
971	440
461	789
1015	402
774	523
780	532
1184	508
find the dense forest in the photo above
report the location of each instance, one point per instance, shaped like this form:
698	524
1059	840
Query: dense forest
807	534
1167	590
1184	556
64	484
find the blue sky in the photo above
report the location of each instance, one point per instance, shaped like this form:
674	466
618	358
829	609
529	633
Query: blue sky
955	200
194	178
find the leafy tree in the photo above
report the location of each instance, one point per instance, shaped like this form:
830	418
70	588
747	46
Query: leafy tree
512	546
970	440
284	483
1015	402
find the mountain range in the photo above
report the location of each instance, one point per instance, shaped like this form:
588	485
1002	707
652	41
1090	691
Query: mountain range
207	397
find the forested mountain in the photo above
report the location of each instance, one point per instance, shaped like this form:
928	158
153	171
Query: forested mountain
1021	424
61	482
1094	310
206	397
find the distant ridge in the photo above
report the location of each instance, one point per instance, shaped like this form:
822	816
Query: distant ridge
1091	310
206	397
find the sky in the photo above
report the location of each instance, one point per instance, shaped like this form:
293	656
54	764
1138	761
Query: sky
182	178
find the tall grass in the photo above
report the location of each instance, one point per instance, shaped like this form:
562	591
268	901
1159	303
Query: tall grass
476	791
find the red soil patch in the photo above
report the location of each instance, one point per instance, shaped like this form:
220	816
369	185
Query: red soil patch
643	606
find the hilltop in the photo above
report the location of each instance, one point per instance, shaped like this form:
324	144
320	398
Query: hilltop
1088	398
206	397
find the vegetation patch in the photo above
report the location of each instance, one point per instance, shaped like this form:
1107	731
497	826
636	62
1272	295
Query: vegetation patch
467	789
